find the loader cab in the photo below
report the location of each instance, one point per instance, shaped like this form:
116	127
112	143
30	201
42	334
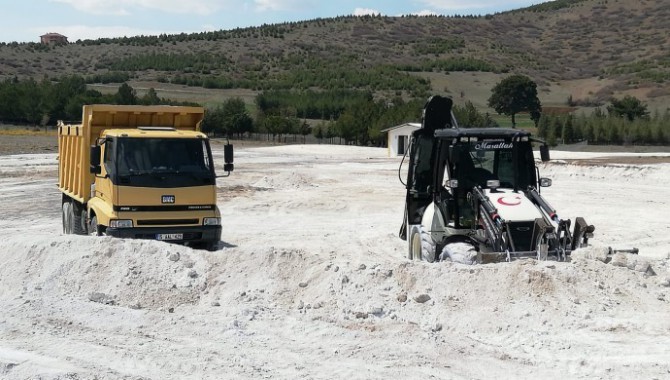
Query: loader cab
489	163
446	164
479	158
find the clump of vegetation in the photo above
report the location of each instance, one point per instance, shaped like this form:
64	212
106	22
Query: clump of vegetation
452	64
627	122
40	103
550	6
515	94
437	46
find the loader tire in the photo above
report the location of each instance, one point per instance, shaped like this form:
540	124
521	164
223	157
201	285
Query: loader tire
422	246
460	252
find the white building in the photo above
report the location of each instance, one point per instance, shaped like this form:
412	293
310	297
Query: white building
398	138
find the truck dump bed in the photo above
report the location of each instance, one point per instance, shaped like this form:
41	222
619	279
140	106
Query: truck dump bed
74	141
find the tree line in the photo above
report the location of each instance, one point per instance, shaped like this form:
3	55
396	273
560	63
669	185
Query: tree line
354	116
293	71
42	103
602	128
626	121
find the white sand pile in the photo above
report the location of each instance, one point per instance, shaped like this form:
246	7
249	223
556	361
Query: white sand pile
284	181
312	282
137	274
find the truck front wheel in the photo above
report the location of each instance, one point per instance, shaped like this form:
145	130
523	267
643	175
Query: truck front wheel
94	228
207	245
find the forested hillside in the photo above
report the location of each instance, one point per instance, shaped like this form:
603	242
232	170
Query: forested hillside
618	40
580	53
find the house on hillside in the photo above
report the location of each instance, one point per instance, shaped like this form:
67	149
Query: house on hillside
398	138
53	38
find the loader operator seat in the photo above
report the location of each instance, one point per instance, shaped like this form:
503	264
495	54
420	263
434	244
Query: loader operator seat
470	175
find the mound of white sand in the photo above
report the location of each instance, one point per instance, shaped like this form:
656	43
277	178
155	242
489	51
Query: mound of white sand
312	282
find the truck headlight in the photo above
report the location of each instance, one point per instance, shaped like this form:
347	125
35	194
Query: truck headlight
211	221
120	223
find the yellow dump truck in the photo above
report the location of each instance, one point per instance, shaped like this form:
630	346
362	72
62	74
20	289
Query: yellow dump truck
140	172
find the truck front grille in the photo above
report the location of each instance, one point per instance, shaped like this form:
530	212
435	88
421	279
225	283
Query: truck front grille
166	222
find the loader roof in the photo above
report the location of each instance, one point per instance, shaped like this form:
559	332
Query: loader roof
448	133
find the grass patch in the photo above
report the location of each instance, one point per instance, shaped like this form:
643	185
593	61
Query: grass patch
523	121
27	131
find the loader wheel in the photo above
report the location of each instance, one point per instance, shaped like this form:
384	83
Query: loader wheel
422	246
68	218
460	252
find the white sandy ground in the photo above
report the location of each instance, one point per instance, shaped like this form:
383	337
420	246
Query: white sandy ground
311	282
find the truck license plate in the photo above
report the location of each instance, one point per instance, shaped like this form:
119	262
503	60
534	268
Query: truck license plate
170	236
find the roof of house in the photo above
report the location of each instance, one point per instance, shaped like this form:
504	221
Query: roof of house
52	35
413	125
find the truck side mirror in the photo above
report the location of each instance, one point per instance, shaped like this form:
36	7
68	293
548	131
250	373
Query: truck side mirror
544	153
95	159
228	153
228	158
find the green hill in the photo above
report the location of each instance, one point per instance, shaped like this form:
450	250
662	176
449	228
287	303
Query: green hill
586	50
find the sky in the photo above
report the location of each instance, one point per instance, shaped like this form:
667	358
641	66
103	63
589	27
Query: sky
26	20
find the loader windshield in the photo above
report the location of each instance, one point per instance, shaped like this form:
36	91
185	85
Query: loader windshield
510	163
163	162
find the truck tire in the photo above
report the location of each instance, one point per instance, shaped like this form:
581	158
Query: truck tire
93	227
210	246
68	218
421	246
79	219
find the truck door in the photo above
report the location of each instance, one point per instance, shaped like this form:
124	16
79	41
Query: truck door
103	183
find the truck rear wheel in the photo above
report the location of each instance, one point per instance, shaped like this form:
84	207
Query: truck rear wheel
79	219
68	218
74	218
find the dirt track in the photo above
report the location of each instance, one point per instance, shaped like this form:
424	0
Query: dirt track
27	144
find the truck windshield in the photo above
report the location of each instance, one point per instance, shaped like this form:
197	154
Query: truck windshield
174	161
485	160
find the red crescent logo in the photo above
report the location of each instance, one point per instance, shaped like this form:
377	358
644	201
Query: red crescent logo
515	201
